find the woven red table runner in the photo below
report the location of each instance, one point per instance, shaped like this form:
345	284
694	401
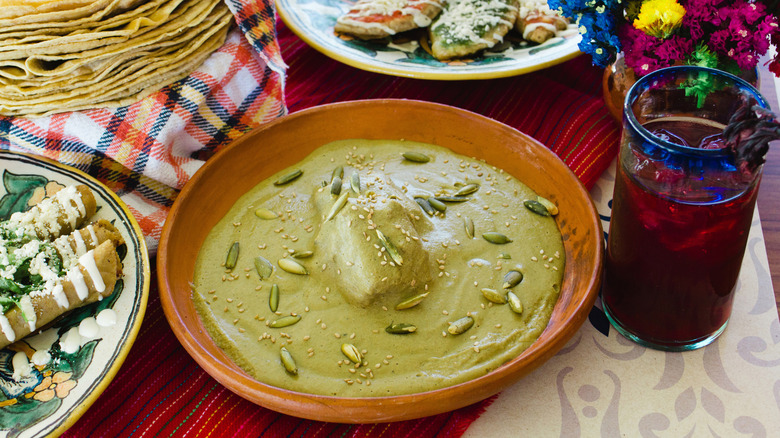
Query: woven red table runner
161	391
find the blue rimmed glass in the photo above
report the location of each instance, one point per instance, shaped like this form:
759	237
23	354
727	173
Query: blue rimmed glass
681	213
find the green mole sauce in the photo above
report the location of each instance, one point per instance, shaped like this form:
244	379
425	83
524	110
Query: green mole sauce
354	281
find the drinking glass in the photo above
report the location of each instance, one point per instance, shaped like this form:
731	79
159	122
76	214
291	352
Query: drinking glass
681	210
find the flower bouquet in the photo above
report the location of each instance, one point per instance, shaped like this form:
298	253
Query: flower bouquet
730	35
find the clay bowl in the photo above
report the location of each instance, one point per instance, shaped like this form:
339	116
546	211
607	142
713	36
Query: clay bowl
279	144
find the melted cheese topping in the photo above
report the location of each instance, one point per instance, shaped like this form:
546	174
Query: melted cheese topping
364	9
468	21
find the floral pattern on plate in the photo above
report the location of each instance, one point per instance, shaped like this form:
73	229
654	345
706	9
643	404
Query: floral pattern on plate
313	21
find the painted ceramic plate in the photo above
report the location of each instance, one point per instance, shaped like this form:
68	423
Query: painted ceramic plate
55	395
313	21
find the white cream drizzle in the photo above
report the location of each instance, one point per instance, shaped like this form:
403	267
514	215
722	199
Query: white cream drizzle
106	318
25	303
21	366
88	328
59	296
81	248
92	235
77	279
89	264
71	341
8	331
533	26
41	357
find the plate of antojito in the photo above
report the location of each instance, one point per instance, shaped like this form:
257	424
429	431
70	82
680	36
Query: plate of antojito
74	282
347	263
439	39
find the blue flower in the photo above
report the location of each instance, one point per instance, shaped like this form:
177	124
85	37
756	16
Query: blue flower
599	39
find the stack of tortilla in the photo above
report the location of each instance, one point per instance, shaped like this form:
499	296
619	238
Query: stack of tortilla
69	55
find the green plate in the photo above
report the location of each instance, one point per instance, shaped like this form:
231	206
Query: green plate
313	21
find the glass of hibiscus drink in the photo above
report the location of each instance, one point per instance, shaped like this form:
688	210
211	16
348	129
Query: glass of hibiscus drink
688	173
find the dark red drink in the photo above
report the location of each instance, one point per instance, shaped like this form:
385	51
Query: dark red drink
679	227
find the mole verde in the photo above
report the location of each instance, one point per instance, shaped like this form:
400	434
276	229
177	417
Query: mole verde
376	268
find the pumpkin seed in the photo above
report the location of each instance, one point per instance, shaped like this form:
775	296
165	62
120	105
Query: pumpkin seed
391	249
401	328
452	198
505	255
416	157
352	353
468	224
292	267
461	325
302	254
437	205
467	189
273	299
338	172
494	296
354	182
232	256
536	207
285	321
288	178
263	267
512	279
335	186
497	238
549	205
264	213
337	206
514	302
411	302
288	362
425	205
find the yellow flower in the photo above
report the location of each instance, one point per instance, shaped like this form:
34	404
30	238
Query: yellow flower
58	385
659	18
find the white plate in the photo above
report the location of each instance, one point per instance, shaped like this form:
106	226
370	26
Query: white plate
57	394
313	21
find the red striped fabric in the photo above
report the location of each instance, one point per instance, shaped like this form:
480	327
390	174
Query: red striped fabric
160	391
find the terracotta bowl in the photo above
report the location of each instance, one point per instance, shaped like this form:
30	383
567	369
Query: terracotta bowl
279	144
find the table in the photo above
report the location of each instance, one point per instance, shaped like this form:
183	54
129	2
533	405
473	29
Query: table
161	391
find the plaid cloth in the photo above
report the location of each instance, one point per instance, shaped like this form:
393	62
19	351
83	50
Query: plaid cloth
147	151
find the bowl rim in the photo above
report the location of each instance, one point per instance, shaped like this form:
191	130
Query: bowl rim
234	377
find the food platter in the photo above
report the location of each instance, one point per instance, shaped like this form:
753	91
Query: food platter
266	151
313	21
55	395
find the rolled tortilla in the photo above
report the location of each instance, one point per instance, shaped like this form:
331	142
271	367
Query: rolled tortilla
77	243
57	215
92	279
